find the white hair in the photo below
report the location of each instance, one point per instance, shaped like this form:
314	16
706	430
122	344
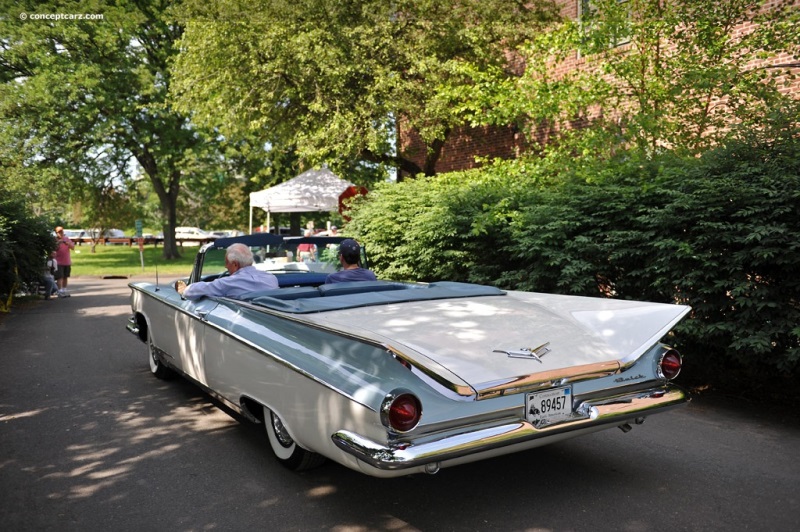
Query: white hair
240	254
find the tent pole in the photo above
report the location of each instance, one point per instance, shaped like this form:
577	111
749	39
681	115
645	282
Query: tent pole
267	221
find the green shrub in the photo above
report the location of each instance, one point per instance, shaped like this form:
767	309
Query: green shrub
430	228
720	233
730	238
25	242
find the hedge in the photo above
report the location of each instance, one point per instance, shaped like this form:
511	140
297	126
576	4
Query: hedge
720	233
25	242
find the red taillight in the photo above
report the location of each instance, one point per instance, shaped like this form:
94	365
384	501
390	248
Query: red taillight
670	364
402	412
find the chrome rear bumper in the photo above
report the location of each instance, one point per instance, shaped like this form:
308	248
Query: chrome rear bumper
616	410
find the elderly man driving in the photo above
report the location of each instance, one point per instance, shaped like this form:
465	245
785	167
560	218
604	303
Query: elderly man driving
243	278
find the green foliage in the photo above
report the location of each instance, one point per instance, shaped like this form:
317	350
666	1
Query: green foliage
81	99
425	229
25	243
677	75
729	245
720	233
336	77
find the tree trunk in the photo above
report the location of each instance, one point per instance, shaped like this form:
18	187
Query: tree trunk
169	207
432	157
167	197
171	250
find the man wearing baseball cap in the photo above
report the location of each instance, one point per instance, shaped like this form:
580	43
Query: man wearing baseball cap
350	259
63	247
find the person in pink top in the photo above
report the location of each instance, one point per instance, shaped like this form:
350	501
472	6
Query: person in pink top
63	247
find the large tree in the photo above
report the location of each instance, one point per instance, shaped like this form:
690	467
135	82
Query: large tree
335	78
81	98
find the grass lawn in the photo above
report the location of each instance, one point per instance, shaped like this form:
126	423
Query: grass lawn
124	261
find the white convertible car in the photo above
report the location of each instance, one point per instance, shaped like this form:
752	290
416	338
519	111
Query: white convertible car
392	378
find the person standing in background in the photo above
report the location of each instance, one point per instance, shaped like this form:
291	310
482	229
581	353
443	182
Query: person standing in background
307	252
63	247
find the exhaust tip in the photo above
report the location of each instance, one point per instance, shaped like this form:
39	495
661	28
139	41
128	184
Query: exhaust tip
432	468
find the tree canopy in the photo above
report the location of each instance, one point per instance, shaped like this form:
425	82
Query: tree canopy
335	78
82	98
216	98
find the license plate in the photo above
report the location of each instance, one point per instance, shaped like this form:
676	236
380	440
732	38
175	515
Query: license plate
550	406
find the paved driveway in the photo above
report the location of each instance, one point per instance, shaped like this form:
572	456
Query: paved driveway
90	441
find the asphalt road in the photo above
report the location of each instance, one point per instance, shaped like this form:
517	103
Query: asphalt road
90	441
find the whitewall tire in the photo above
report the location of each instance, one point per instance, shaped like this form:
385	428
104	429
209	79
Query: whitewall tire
288	453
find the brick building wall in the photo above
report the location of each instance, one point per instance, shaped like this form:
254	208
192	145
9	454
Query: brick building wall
465	145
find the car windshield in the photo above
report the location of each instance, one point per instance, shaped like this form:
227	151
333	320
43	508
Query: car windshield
294	257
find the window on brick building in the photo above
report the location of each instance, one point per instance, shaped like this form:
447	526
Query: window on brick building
588	16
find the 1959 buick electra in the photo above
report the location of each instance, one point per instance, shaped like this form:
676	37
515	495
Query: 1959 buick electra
393	378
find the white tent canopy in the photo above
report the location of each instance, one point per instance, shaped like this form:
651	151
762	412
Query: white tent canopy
316	190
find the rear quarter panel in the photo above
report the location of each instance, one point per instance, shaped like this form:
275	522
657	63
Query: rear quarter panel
317	381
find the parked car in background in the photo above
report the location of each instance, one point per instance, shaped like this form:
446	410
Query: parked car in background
193	235
106	233
225	233
109	236
75	234
113	233
392	378
79	236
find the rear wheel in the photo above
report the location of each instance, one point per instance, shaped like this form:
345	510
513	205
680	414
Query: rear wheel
157	367
288	453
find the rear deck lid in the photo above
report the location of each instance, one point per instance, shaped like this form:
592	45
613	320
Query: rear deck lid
473	341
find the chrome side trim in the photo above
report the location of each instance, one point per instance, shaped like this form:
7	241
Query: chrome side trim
448	388
610	410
